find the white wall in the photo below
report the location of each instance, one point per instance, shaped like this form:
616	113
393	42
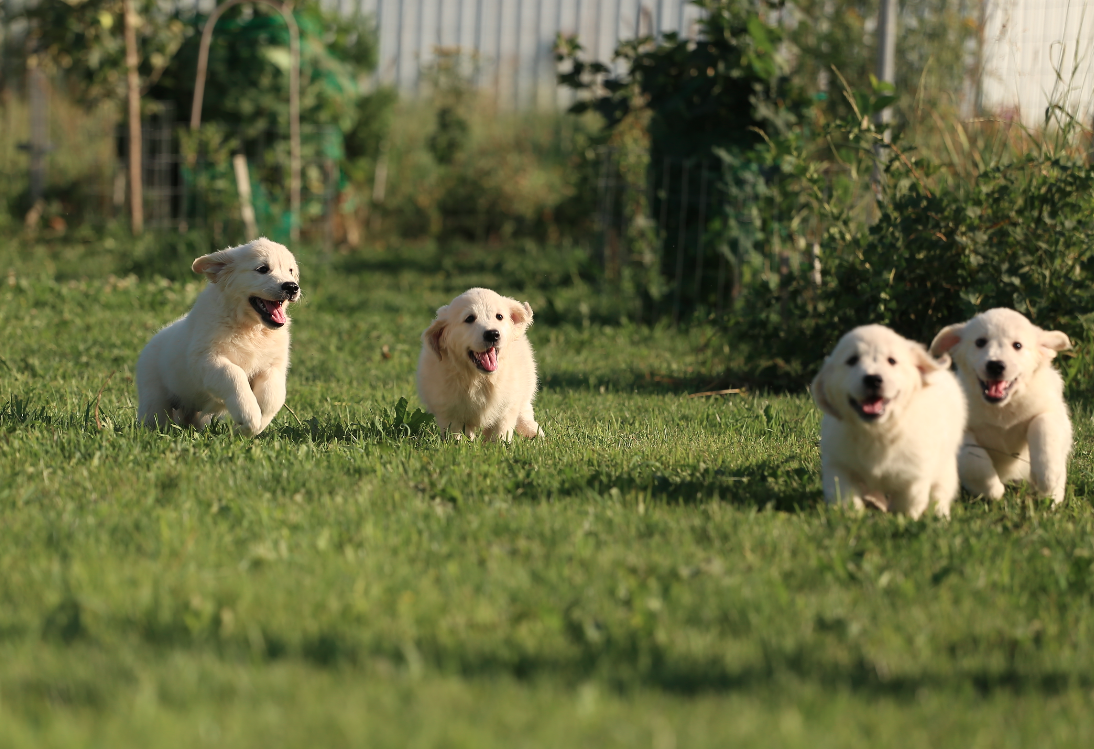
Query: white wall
513	37
1026	43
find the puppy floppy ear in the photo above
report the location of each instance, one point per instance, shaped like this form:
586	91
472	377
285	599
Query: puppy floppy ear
1052	341
520	314
947	338
213	265
435	335
928	365
820	397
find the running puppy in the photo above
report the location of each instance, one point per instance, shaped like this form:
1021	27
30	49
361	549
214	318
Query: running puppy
476	372
1019	429
892	425
231	352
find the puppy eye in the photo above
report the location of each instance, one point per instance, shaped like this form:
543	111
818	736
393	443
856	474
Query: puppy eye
470	318
852	361
892	361
499	316
263	269
981	342
1017	346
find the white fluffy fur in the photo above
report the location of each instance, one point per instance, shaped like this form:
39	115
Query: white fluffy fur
222	356
904	458
465	399
1026	436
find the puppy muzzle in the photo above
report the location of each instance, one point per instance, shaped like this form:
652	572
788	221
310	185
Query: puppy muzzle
485	361
996	391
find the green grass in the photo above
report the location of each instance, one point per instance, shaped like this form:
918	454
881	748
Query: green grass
659	571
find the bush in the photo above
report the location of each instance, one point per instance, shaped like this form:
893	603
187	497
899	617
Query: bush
458	170
1019	234
724	91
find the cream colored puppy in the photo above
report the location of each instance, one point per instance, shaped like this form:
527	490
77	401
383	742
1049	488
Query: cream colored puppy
231	352
892	425
1019	429
476	372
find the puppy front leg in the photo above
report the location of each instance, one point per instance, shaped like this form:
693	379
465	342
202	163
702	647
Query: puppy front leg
269	392
840	489
944	489
976	471
914	500
229	383
526	423
503	430
1049	444
449	428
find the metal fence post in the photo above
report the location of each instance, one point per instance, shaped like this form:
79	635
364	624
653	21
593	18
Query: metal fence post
682	238
702	232
497	56
517	57
38	146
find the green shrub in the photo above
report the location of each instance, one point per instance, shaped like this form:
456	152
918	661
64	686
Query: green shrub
500	177
1019	234
724	91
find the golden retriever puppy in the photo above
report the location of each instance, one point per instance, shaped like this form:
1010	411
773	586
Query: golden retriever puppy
476	372
892	424
231	352
1019	429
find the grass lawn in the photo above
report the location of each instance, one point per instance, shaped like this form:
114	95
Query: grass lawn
660	571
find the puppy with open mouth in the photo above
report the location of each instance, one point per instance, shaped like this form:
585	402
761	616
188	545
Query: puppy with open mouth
1019	428
476	372
892	424
230	353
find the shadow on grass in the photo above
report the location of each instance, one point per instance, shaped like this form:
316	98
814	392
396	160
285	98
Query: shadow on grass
634	380
634	659
618	653
787	486
568	290
510	266
378	426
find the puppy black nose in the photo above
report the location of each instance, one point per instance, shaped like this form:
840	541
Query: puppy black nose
290	286
872	382
491	336
995	369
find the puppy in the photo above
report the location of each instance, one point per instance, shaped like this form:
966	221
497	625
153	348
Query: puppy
1019	427
476	372
231	352
892	425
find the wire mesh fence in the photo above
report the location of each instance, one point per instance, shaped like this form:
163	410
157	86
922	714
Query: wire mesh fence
230	187
706	229
190	180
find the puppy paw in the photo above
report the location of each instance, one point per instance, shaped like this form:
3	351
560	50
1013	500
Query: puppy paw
249	427
1049	486
531	430
1057	495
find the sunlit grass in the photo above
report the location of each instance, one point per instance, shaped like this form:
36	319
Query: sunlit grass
658	571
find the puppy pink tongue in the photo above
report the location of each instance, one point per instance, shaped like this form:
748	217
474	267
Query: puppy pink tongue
998	389
873	406
489	360
276	310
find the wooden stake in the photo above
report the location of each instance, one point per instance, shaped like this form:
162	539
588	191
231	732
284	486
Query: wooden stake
136	188
243	185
